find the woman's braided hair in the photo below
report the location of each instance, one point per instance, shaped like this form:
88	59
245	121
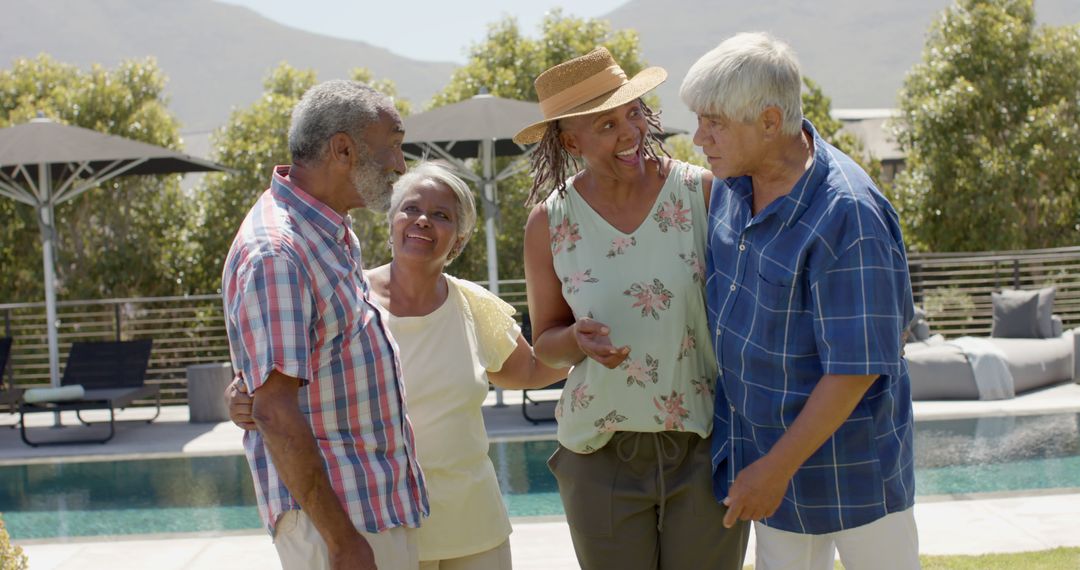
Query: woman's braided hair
552	164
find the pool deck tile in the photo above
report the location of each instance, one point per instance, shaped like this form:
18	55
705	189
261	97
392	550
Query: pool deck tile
962	526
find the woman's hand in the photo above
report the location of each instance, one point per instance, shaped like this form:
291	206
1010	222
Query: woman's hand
239	404
592	338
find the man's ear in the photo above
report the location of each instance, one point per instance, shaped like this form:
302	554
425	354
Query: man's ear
772	121
342	149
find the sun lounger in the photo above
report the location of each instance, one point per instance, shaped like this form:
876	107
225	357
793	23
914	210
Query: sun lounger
112	375
9	395
529	403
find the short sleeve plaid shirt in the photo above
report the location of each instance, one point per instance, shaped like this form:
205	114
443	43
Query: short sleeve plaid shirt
816	283
296	301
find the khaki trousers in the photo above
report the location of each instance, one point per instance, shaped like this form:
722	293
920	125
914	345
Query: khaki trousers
497	558
645	502
301	547
889	543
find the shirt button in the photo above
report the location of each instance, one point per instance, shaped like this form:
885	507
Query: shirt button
719	373
733	287
742	247
732	407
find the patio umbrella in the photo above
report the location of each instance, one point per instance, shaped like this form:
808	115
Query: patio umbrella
481	127
43	164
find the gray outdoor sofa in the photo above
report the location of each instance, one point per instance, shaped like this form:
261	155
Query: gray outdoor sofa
940	370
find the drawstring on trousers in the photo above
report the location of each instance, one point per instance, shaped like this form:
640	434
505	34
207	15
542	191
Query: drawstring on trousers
661	441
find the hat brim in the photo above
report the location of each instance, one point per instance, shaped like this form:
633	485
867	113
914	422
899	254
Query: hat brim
646	80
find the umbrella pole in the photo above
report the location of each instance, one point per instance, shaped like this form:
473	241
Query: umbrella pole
46	221
487	151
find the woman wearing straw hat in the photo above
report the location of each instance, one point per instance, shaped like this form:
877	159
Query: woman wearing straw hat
614	261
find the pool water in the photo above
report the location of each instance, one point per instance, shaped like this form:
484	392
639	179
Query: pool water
215	493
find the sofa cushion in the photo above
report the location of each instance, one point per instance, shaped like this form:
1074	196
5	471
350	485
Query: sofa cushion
1016	314
1035	363
1046	312
918	329
941	372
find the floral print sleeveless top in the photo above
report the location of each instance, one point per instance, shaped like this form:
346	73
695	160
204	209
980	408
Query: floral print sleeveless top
648	287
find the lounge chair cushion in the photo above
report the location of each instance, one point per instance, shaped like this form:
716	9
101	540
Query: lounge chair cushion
61	394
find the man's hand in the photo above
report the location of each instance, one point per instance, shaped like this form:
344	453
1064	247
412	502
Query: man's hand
352	554
756	493
239	402
592	338
760	487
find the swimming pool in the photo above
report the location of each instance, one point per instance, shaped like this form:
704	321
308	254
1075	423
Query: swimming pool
213	494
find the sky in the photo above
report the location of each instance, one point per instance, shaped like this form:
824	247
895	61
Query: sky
429	30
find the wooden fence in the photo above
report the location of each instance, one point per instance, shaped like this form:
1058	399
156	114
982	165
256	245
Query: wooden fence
954	288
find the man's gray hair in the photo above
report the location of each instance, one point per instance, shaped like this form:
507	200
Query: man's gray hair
439	172
743	76
329	108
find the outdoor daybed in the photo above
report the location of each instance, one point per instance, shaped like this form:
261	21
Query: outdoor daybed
1026	350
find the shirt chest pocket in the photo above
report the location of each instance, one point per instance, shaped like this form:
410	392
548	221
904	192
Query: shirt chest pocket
784	320
778	288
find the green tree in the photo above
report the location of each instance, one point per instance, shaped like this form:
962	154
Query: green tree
991	128
128	238
682	147
817	107
506	63
255	139
12	556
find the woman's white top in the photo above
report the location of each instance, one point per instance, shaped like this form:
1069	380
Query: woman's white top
445	356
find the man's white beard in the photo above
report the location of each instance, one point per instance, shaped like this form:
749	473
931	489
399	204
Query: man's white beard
373	185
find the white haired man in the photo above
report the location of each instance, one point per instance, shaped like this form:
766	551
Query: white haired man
333	459
808	292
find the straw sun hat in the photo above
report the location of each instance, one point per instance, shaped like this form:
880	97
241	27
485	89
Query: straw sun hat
584	85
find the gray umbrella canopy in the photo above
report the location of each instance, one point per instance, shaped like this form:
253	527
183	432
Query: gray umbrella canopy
481	127
459	128
44	142
43	164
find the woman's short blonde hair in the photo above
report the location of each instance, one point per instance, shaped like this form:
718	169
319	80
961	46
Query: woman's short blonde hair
743	76
441	173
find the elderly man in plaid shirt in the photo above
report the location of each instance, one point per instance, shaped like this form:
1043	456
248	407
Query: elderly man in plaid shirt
333	458
808	292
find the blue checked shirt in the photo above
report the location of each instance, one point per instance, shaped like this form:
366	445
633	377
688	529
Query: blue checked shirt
816	283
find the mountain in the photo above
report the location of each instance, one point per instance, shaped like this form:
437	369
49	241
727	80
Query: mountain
858	51
215	55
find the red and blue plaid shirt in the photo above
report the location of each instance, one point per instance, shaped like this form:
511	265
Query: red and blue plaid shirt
296	301
816	283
